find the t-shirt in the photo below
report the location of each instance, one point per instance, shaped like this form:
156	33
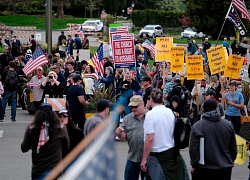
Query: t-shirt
146	95
190	47
237	98
160	121
72	97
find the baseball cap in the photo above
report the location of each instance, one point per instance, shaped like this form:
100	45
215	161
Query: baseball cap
135	100
210	92
29	51
40	68
102	104
77	77
64	112
45	106
233	82
209	105
177	78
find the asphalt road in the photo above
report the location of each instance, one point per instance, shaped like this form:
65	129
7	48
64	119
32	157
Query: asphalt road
15	165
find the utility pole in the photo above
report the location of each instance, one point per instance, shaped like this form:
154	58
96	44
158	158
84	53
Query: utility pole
49	25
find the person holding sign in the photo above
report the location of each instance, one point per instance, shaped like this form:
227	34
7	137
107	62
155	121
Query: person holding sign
235	102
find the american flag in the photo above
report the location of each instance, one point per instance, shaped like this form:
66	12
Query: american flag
241	7
68	53
37	59
123	37
81	32
98	61
118	30
148	45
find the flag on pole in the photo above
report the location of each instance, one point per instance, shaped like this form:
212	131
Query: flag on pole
36	60
98	61
149	46
81	32
241	7
241	149
235	20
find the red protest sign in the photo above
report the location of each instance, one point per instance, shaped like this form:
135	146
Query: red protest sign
123	50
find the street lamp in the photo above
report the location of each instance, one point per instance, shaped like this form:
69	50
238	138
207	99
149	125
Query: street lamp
132	5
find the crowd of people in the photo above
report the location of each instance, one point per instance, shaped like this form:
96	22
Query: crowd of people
150	110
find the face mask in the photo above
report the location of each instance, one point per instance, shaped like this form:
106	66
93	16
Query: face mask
239	90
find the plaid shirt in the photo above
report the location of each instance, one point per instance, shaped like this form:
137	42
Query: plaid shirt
167	89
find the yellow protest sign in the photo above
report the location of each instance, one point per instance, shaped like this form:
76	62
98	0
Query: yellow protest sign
216	59
194	64
177	58
241	149
163	48
233	67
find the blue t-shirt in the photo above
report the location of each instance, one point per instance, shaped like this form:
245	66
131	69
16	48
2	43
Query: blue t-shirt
72	96
237	98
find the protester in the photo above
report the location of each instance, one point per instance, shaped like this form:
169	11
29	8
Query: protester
10	80
189	47
51	86
132	130
60	76
146	83
85	42
90	78
76	100
217	138
159	122
109	79
5	58
47	139
167	89
70	69
103	107
33	43
226	45
235	102
75	134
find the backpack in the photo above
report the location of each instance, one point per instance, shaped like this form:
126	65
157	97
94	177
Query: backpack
11	80
182	131
185	97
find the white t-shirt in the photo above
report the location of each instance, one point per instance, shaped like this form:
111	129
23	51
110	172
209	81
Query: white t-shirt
160	121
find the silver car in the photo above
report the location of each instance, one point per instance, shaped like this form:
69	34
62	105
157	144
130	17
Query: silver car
152	31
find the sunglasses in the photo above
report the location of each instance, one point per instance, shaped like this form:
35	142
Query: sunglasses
132	107
54	68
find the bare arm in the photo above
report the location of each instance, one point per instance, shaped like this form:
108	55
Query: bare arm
82	100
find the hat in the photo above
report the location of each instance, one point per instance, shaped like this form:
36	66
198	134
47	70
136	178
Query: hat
102	104
69	35
233	82
64	112
177	78
77	77
135	100
57	54
144	62
45	106
209	105
40	68
146	78
210	92
204	79
176	99
29	51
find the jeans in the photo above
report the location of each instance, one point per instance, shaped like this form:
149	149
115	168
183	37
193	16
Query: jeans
79	118
212	174
10	95
235	120
132	171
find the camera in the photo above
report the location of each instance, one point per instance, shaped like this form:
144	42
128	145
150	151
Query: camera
50	77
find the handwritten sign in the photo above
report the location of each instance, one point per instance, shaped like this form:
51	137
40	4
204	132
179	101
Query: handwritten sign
194	65
216	58
233	66
177	59
123	50
163	48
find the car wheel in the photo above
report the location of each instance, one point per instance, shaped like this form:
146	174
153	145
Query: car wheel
153	36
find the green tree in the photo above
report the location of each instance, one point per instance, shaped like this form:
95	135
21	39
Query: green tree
167	5
110	6
207	15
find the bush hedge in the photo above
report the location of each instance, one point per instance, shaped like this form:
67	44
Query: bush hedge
164	18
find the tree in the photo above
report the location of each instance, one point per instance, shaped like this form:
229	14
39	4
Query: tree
110	6
207	15
167	5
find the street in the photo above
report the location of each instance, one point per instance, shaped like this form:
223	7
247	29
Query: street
15	165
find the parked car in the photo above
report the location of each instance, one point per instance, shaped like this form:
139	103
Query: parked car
191	32
93	25
152	31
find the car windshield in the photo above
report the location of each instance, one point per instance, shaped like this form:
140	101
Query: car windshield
89	22
189	29
148	28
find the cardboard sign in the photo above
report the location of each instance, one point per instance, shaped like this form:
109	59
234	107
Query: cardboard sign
233	66
177	59
194	65
123	50
163	48
216	59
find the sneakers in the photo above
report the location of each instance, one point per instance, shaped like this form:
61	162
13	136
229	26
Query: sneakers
13	120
